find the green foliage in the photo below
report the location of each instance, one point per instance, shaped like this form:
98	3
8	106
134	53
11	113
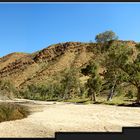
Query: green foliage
129	94
138	46
70	83
41	92
65	86
120	67
91	69
83	91
105	36
94	83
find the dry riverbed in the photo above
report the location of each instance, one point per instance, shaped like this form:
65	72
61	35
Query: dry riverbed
47	118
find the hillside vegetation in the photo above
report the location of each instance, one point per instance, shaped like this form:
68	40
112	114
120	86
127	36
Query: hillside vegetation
107	71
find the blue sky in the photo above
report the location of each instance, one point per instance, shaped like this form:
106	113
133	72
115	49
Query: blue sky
28	27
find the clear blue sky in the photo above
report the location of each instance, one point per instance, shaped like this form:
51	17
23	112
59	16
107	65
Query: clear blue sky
31	27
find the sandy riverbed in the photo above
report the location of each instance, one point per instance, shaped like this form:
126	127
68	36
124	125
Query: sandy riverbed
50	117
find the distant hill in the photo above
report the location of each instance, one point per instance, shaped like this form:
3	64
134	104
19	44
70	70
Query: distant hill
25	69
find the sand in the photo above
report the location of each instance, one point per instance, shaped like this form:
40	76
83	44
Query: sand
50	117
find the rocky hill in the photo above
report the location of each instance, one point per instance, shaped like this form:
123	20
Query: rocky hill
24	69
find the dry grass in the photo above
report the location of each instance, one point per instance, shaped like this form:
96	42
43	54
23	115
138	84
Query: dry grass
4	61
119	101
12	111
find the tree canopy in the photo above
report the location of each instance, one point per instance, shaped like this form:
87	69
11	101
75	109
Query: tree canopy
106	36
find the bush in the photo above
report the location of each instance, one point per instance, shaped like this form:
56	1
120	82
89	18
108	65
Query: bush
64	87
11	111
48	91
7	89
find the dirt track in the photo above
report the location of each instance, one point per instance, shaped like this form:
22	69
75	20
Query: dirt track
50	117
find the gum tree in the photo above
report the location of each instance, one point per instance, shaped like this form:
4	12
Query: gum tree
106	36
125	68
94	83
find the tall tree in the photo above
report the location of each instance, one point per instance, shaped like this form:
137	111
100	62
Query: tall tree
126	68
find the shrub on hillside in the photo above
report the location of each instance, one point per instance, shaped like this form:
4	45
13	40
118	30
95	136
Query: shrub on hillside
7	89
65	86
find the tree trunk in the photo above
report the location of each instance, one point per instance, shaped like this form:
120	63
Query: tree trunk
110	96
138	95
93	97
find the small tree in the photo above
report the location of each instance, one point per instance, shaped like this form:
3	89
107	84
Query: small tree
94	83
106	36
70	83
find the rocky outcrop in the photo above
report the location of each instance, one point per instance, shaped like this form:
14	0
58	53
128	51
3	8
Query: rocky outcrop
54	51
